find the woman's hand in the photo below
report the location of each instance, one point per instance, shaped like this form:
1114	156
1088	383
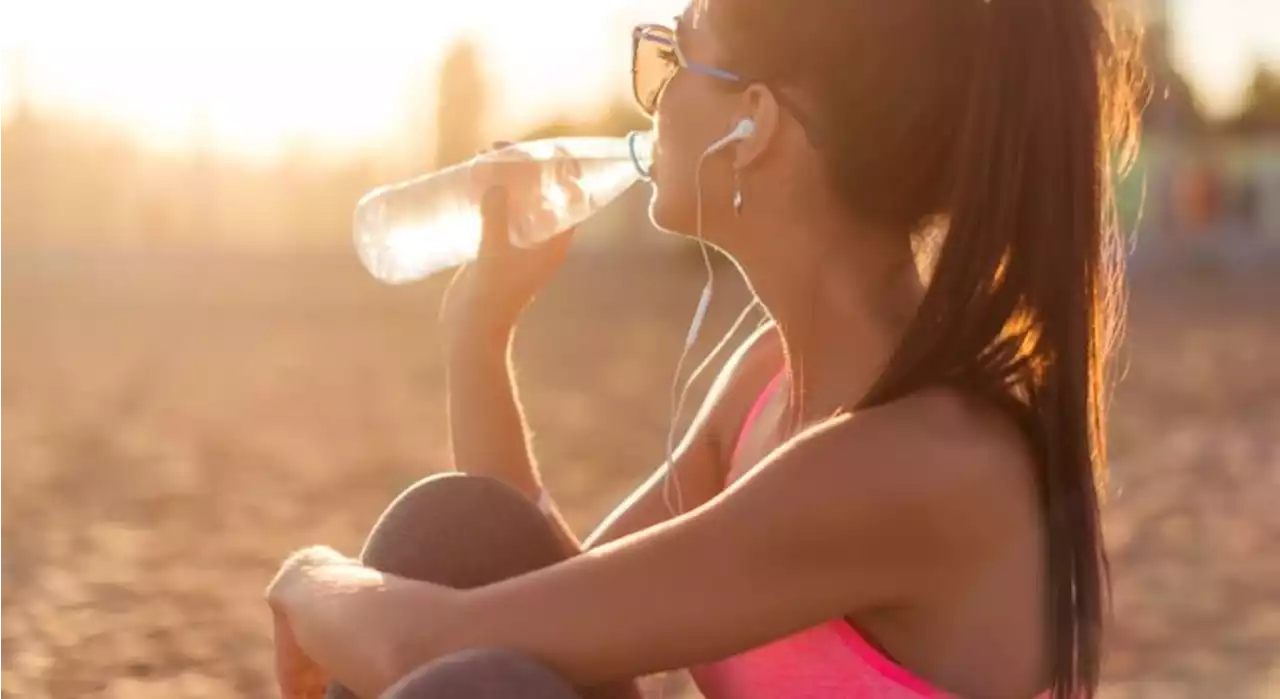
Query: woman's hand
298	676
349	619
290	582
487	296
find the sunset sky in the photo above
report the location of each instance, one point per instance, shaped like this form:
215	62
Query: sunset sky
254	75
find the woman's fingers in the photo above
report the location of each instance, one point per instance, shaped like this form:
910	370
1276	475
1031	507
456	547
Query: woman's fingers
494	221
514	175
297	676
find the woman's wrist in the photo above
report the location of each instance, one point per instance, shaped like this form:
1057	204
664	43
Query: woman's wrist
483	337
476	321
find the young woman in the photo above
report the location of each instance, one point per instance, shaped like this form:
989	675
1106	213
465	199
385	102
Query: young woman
891	490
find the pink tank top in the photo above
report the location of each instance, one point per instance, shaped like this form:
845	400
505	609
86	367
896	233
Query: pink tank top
828	661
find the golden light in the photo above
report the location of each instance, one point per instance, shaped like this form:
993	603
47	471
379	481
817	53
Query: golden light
256	77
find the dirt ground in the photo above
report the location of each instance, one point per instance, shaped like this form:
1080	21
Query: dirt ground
174	424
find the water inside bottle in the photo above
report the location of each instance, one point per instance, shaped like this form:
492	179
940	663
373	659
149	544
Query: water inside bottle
411	230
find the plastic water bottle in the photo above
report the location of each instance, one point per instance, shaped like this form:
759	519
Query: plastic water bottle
412	229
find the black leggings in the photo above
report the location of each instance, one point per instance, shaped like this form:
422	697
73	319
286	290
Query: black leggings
465	531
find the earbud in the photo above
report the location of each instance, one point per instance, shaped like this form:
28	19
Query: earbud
742	130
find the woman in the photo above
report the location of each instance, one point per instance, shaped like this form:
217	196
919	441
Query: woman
891	489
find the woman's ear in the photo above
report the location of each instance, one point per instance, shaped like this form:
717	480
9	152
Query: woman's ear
761	107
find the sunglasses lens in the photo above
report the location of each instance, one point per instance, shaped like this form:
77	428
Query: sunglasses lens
653	65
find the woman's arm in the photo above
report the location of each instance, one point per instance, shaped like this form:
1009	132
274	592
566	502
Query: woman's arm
486	422
857	513
487	428
490	436
702	458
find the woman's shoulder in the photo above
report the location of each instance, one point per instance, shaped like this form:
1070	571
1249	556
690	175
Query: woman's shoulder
940	449
929	486
946	427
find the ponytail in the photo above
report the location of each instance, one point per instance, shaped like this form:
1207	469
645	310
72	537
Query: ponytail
1024	294
998	120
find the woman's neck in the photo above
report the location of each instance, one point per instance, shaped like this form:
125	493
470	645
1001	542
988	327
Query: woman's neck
842	308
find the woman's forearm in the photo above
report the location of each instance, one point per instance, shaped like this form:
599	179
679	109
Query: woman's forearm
486	423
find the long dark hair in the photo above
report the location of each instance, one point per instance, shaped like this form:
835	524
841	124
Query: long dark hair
1002	124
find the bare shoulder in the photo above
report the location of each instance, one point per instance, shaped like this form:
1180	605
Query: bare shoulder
902	502
946	471
938	432
952	435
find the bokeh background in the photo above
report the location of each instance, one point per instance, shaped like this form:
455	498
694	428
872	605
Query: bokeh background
201	376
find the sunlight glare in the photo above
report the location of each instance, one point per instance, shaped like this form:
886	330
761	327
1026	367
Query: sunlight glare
258	77
262	76
449	240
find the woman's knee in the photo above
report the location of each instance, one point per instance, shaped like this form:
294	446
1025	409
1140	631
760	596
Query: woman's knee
462	531
483	674
465	531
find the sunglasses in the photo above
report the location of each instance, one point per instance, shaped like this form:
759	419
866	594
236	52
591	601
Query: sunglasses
655	59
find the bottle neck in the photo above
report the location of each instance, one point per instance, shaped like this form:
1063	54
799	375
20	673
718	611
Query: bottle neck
640	148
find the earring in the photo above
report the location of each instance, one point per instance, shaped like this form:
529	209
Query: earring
737	195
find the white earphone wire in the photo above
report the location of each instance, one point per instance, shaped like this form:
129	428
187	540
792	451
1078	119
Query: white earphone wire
678	397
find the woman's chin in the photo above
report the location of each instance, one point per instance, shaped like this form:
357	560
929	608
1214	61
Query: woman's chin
664	218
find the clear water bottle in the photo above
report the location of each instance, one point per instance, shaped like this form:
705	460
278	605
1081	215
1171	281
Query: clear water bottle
412	229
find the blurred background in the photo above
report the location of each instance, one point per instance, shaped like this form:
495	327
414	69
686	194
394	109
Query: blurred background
201	376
